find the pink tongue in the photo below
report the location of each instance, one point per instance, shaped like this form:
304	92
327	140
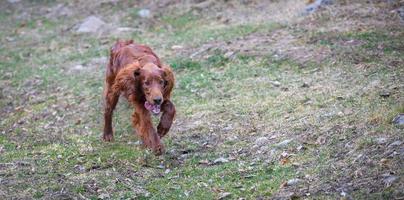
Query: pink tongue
155	109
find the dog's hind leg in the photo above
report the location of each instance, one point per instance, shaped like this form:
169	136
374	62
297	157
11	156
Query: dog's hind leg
111	96
166	118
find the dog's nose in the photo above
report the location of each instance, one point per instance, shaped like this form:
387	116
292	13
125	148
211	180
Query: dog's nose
157	100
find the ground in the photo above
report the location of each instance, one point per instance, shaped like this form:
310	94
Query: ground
272	103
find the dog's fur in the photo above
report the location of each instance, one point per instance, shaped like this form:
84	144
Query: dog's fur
136	72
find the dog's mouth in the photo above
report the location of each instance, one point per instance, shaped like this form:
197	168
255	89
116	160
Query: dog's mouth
155	109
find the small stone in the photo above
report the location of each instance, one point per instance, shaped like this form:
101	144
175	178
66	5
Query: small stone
321	140
312	7
220	160
343	193
10	39
144	13
125	29
59	10
284	143
381	140
400	12
305	85
104	196
13	1
395	143
78	67
399	119
389	179
293	182
261	141
300	148
384	94
176	47
275	83
136	143
229	54
79	168
224	195
91	24
204	162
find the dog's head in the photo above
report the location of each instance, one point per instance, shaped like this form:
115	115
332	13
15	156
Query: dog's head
152	80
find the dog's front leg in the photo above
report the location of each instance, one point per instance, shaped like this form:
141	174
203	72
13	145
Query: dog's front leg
166	118
144	127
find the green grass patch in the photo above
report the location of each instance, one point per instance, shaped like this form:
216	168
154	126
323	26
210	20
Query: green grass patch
198	182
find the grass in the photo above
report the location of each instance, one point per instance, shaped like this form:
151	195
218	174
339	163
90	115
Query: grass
52	116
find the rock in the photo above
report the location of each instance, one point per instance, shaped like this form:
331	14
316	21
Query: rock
144	13
59	10
381	140
79	168
13	1
104	196
91	24
275	83
125	29
78	67
135	143
399	119
204	162
261	141
224	195
229	54
384	93
176	47
400	12
293	182
305	85
396	143
389	179
300	148
315	5
220	160
283	143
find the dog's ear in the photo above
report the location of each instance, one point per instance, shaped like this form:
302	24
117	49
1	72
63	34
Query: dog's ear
169	80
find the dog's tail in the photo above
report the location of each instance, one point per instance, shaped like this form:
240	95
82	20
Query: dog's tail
119	44
114	59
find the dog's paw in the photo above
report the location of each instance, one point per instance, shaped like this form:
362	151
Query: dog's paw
162	132
159	150
108	137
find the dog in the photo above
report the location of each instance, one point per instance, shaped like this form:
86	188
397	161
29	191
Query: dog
136	72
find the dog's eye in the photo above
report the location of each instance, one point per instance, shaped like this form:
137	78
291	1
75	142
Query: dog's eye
147	83
161	82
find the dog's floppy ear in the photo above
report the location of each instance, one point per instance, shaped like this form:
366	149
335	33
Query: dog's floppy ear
169	80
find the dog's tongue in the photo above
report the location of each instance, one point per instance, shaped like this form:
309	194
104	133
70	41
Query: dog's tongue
155	109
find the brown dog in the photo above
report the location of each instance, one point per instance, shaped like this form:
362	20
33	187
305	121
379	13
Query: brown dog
136	72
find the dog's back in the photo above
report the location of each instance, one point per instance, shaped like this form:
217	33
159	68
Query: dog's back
124	53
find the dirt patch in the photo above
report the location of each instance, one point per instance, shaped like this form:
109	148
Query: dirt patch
279	44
